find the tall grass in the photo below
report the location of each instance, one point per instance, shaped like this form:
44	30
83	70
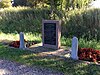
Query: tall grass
84	23
13	37
25	19
83	43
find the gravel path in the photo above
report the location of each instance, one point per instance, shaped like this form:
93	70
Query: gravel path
13	68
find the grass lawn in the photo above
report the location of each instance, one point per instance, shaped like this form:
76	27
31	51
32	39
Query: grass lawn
37	37
67	66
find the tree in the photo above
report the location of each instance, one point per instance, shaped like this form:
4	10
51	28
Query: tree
20	2
5	3
79	3
34	3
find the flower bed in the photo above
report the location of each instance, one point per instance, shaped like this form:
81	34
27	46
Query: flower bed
16	44
89	54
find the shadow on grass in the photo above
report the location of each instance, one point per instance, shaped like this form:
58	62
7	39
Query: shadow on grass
39	49
65	65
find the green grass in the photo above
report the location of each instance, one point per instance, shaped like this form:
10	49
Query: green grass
84	43
14	37
67	66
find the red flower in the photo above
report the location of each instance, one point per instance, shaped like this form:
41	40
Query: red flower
16	44
89	54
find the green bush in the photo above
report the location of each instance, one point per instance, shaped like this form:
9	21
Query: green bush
5	3
83	43
25	19
83	23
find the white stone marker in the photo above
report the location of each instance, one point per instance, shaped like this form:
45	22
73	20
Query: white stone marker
74	49
22	44
0	0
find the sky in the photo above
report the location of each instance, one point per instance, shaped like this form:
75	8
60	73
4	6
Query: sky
95	4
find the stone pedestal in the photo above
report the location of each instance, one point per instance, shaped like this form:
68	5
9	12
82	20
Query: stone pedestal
74	49
22	44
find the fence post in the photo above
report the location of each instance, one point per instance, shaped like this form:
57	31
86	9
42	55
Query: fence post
22	44
74	49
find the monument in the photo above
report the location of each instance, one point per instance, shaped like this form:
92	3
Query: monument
51	33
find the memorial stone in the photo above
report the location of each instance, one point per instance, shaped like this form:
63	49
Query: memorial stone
74	49
22	44
51	32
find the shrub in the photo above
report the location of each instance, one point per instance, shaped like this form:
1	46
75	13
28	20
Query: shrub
25	19
83	23
5	3
89	54
84	43
16	44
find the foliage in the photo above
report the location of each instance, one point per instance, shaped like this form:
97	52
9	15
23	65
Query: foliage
83	43
20	2
80	3
9	37
72	4
22	19
36	3
5	3
16	44
89	54
37	38
54	4
82	23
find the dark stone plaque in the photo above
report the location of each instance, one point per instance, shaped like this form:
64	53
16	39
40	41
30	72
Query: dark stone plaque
50	33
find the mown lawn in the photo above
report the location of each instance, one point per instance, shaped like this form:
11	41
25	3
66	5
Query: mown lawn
67	66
